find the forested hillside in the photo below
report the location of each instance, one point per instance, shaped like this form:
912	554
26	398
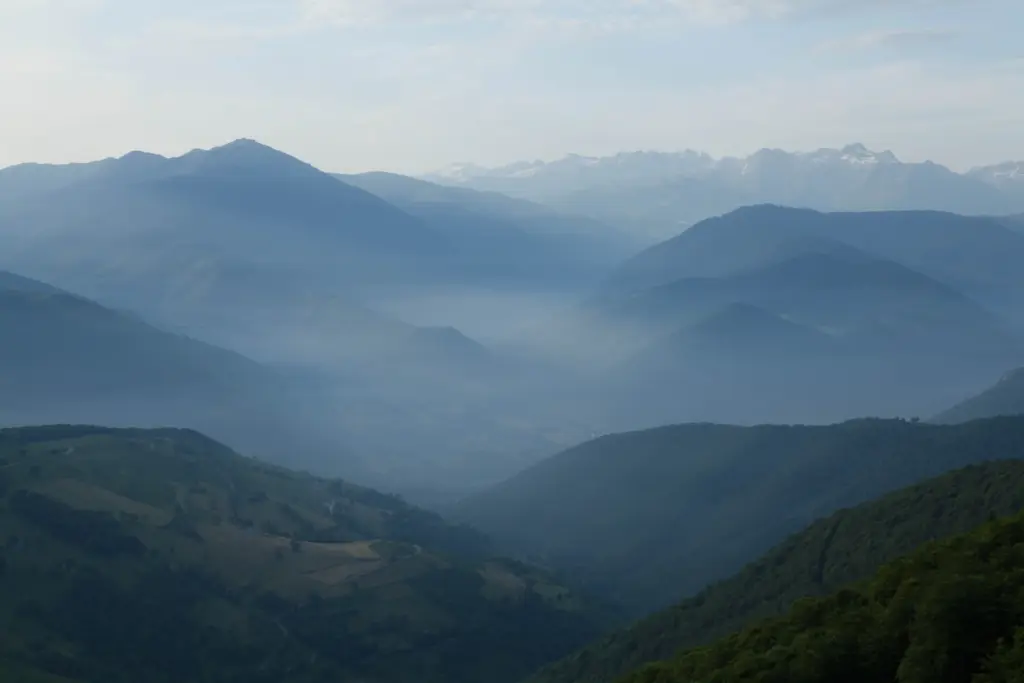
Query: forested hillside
951	612
845	547
162	556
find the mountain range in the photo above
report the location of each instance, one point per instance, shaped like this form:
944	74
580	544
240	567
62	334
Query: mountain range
250	249
659	193
468	349
225	242
500	235
352	289
831	315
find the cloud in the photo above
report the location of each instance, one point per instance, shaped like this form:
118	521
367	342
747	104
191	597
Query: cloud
729	11
356	12
531	19
352	12
896	40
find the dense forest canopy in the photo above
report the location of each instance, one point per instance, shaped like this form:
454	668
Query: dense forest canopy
951	612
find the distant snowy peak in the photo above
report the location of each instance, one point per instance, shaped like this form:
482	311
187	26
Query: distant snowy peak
664	164
458	173
1006	172
856	154
859	154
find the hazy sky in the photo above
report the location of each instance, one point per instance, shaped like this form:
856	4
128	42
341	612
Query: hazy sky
411	85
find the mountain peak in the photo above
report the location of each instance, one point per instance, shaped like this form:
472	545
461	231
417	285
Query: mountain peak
769	153
999	174
245	147
245	144
855	153
243	156
138	155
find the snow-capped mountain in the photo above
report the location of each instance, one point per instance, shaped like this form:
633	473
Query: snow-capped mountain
576	172
654	167
856	154
659	191
1006	173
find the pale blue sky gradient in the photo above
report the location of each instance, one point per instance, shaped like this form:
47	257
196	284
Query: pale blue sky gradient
412	85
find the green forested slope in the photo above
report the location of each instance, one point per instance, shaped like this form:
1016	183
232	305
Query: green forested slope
951	612
845	547
161	556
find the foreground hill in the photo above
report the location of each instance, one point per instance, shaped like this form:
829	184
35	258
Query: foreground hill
845	547
952	611
649	517
1006	397
163	556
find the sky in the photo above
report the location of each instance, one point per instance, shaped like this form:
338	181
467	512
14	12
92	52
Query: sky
414	85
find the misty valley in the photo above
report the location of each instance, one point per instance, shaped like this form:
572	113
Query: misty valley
645	418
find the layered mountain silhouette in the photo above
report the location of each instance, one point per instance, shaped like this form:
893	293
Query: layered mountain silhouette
250	249
658	193
66	359
975	255
842	292
764	314
244	293
772	314
218	241
650	517
502	238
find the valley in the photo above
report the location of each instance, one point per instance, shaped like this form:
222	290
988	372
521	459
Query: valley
232	385
494	341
